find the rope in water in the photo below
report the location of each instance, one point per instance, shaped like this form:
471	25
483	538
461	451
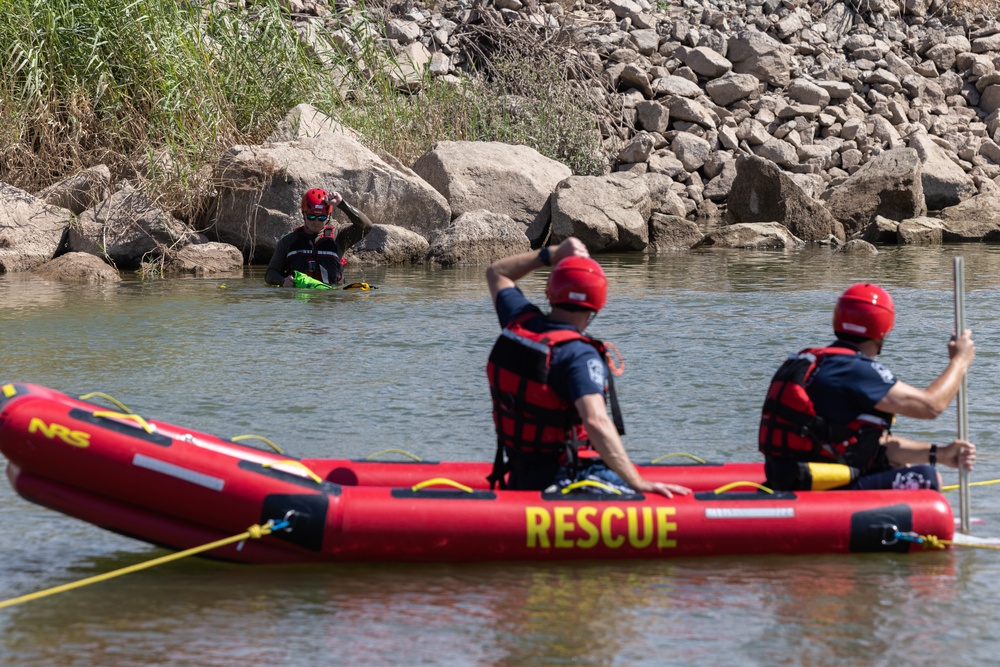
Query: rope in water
254	532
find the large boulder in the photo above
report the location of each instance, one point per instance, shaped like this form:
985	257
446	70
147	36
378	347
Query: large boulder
607	213
670	232
126	229
478	237
752	235
975	219
920	231
30	229
889	185
761	192
388	244
79	191
203	259
261	187
512	180
944	182
78	267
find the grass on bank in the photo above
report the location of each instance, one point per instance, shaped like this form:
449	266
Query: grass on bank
157	89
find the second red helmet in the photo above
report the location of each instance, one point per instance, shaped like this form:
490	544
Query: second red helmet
864	309
578	281
314	201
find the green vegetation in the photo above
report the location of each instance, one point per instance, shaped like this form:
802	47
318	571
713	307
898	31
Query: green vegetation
156	89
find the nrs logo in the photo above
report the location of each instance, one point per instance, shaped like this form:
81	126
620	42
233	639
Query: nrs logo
53	431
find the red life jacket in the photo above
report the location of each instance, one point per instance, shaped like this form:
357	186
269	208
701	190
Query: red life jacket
791	429
316	257
528	414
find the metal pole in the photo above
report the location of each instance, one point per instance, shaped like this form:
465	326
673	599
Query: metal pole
964	511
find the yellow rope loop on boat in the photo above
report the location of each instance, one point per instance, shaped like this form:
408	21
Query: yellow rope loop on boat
697	459
441	480
934	542
988	482
142	423
733	485
403	452
112	399
9	390
251	436
295	464
255	531
590	482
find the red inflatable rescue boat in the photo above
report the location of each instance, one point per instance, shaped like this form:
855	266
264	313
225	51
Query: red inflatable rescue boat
180	488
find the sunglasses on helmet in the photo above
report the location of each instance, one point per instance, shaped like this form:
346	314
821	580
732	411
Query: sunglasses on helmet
321	218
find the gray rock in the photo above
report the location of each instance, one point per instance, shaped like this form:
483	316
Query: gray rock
751	235
944	182
512	180
203	259
889	185
732	88
920	231
881	230
857	247
30	229
671	232
607	213
692	151
706	62
80	191
761	192
126	228
389	244
78	267
478	237
975	219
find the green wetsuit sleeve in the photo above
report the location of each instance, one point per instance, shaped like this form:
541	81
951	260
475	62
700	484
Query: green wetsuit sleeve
276	268
360	226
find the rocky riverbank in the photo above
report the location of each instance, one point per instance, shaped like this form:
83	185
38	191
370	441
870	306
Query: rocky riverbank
737	124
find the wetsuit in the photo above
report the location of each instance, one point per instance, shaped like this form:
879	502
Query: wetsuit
298	248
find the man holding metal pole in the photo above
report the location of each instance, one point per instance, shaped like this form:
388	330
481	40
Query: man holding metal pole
827	418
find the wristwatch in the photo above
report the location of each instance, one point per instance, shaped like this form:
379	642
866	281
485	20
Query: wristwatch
543	256
932	455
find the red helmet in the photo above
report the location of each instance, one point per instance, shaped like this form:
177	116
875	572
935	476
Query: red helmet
864	310
578	281
314	201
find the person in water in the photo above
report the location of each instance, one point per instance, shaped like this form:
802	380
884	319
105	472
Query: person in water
827	416
317	248
549	381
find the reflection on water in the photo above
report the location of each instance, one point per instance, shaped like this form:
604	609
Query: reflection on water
349	373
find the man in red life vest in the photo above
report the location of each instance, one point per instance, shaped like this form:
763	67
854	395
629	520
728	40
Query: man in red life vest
316	248
548	379
828	412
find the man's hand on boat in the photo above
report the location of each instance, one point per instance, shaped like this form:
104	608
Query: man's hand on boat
663	489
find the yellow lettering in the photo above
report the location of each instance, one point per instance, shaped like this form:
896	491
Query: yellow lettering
53	431
36	425
606	516
583	520
633	527
538	526
564	524
664	527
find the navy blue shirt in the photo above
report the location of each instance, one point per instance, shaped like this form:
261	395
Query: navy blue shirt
577	368
845	386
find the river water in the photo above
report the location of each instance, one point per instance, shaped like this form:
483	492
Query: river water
348	373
